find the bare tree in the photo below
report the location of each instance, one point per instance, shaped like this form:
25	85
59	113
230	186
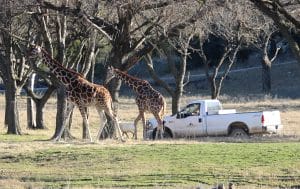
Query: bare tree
181	46
267	61
284	14
14	69
261	35
216	78
222	21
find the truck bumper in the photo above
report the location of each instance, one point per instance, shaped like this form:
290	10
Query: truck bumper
272	129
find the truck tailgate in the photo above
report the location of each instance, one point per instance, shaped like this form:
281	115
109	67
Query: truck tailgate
271	118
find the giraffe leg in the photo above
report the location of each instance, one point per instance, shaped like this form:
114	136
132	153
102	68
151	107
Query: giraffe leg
103	121
117	128
85	122
125	134
135	125
159	130
144	126
115	120
116	124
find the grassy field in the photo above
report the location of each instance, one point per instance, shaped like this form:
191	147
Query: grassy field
260	162
179	164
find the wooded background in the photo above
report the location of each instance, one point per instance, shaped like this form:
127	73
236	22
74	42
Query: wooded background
88	36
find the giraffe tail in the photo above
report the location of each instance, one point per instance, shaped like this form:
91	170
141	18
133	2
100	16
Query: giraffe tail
114	109
163	110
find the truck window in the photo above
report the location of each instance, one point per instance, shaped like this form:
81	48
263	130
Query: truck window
190	110
195	109
213	107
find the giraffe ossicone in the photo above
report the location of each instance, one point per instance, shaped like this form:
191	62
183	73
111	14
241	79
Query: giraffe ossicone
80	91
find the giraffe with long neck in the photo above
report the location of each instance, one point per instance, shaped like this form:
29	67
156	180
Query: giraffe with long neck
148	99
80	91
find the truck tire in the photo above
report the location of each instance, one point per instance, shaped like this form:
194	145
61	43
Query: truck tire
166	135
238	133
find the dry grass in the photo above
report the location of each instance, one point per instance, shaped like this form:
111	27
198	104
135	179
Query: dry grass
127	113
289	108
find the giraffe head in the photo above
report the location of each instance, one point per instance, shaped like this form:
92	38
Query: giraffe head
34	51
110	74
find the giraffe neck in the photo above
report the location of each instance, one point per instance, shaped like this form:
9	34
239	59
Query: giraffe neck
63	74
129	80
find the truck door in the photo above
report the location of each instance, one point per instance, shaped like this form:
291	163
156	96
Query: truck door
189	121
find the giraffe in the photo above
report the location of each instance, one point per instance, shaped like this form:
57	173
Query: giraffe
147	99
80	92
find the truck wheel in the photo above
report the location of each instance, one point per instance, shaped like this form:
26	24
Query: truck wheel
166	135
238	133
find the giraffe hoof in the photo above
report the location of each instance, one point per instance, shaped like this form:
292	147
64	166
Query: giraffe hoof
121	138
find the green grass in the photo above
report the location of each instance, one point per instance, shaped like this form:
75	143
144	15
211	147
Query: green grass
22	138
150	164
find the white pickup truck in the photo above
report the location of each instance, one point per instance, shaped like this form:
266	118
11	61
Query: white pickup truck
207	118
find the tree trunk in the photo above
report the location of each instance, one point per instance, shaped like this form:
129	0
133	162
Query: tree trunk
266	62
114	89
39	105
266	75
213	86
40	115
6	119
180	77
175	102
31	120
61	116
12	114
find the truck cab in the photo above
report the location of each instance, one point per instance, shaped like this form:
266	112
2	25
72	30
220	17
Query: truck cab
191	120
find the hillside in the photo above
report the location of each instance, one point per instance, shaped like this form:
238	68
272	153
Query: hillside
246	84
243	82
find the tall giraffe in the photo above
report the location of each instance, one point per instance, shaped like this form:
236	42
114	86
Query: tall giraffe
147	99
80	92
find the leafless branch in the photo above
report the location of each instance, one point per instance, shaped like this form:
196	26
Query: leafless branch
279	6
187	79
149	65
100	24
7	31
276	53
